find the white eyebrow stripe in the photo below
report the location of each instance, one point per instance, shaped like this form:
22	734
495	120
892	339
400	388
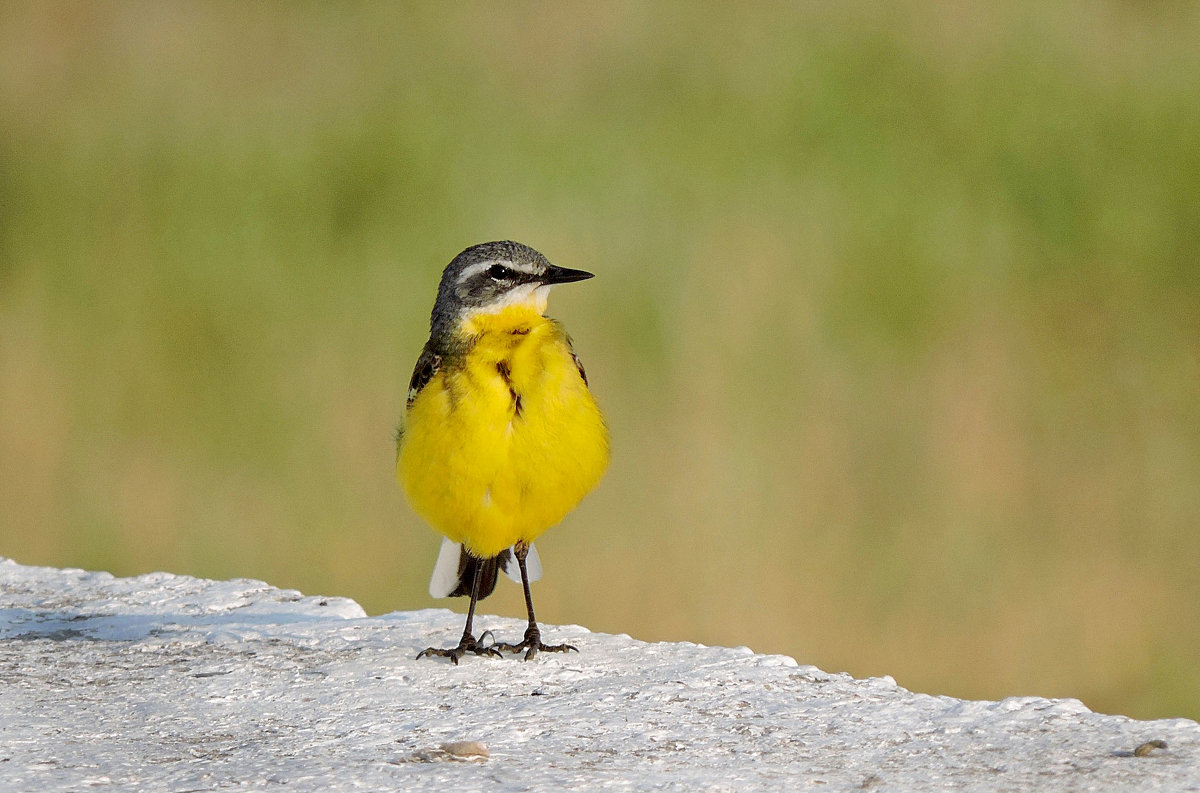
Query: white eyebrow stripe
473	269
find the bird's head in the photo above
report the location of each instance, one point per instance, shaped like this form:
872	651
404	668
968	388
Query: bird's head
488	278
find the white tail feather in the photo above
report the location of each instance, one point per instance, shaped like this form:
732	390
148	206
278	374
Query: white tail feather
445	569
533	566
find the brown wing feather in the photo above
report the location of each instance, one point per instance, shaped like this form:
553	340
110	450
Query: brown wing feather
578	363
427	366
579	366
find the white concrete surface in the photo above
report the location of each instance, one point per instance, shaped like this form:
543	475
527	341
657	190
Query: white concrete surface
170	683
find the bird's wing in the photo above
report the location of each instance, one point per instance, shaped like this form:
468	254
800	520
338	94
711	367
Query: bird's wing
427	366
578	363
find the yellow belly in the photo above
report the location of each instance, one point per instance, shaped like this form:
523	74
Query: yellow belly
486	474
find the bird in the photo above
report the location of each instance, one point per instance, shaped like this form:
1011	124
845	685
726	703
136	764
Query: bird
501	436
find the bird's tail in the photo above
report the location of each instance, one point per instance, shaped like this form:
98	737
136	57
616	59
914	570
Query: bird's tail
454	571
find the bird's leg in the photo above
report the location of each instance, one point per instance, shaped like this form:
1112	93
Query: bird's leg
467	644
532	643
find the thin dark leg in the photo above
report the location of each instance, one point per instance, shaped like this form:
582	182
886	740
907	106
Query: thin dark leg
467	644
525	583
468	637
532	643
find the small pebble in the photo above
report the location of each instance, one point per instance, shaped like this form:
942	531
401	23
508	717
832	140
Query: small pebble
466	749
1148	747
455	751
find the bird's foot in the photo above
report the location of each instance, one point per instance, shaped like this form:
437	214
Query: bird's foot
468	645
532	645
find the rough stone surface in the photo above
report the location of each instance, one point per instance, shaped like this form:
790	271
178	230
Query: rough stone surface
165	682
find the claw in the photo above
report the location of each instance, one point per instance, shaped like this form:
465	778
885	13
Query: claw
532	645
467	645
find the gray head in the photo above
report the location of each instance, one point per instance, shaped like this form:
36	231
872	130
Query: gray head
488	277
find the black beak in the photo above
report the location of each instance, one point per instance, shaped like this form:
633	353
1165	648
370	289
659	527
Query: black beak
561	275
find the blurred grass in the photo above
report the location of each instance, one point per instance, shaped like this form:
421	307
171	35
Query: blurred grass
897	323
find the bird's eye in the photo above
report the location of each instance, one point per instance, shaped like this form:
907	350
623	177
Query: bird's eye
499	272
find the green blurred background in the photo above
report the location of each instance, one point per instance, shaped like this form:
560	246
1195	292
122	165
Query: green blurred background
896	322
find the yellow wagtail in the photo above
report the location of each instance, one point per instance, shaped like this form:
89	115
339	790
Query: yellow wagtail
501	437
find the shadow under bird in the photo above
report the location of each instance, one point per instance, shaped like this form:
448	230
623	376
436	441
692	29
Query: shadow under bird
501	437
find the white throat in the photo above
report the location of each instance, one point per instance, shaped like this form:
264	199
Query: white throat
531	296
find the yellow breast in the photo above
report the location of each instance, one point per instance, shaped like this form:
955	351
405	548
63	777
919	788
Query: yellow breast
505	439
